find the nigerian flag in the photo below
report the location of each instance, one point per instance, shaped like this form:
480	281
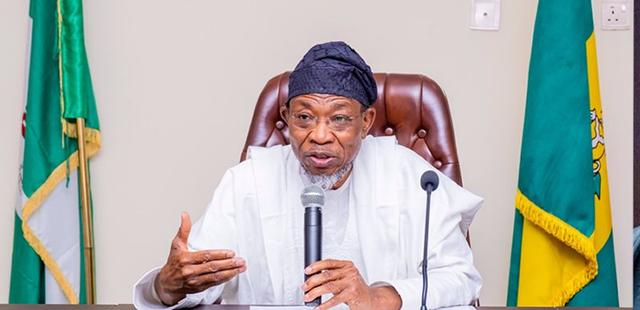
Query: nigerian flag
47	262
562	250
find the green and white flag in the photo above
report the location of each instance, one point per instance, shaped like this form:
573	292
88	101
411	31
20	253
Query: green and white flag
47	262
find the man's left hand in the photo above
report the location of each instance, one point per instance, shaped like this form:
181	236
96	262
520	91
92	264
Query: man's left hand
343	280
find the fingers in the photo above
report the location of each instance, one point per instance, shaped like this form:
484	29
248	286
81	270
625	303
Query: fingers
211	279
217	266
332	302
326	264
204	256
180	241
333	287
320	278
185	227
340	278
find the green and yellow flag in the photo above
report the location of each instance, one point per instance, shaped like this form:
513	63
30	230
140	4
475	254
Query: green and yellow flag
562	250
47	262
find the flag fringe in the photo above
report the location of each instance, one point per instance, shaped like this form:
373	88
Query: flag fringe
35	201
91	135
568	235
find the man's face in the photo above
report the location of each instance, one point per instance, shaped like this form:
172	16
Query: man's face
326	130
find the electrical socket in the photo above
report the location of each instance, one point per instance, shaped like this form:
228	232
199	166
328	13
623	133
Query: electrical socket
485	15
616	15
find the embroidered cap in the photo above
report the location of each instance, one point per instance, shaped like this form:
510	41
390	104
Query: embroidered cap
334	68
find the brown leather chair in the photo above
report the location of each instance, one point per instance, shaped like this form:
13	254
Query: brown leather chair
412	107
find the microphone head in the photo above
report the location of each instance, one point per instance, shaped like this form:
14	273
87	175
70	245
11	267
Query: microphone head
429	177
312	195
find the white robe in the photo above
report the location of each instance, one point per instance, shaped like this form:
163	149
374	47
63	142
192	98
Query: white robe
251	213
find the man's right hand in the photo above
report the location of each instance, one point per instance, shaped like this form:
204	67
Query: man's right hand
191	272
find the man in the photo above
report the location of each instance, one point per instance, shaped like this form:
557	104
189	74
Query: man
248	247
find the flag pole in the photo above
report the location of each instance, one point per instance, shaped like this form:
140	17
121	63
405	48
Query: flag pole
87	227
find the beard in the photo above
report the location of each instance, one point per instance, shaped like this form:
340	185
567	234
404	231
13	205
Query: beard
326	182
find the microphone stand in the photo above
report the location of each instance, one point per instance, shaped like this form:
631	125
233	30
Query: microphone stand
425	281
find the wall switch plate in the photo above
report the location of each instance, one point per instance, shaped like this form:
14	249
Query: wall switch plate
485	15
616	15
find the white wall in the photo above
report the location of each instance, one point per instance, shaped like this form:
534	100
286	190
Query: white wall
176	82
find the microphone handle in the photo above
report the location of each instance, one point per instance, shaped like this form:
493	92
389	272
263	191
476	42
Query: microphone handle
312	242
425	279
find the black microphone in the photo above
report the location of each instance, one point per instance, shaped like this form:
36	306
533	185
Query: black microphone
312	198
429	182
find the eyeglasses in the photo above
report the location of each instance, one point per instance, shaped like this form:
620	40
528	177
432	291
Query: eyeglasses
338	122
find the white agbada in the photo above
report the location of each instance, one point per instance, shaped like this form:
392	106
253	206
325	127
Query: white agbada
256	212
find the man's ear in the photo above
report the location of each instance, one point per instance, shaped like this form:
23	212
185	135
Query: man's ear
368	118
284	112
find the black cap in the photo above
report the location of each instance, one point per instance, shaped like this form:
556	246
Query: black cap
334	68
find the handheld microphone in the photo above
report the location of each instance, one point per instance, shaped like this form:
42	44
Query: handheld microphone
429	182
312	198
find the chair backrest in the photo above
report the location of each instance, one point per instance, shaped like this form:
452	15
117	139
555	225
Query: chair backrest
412	107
